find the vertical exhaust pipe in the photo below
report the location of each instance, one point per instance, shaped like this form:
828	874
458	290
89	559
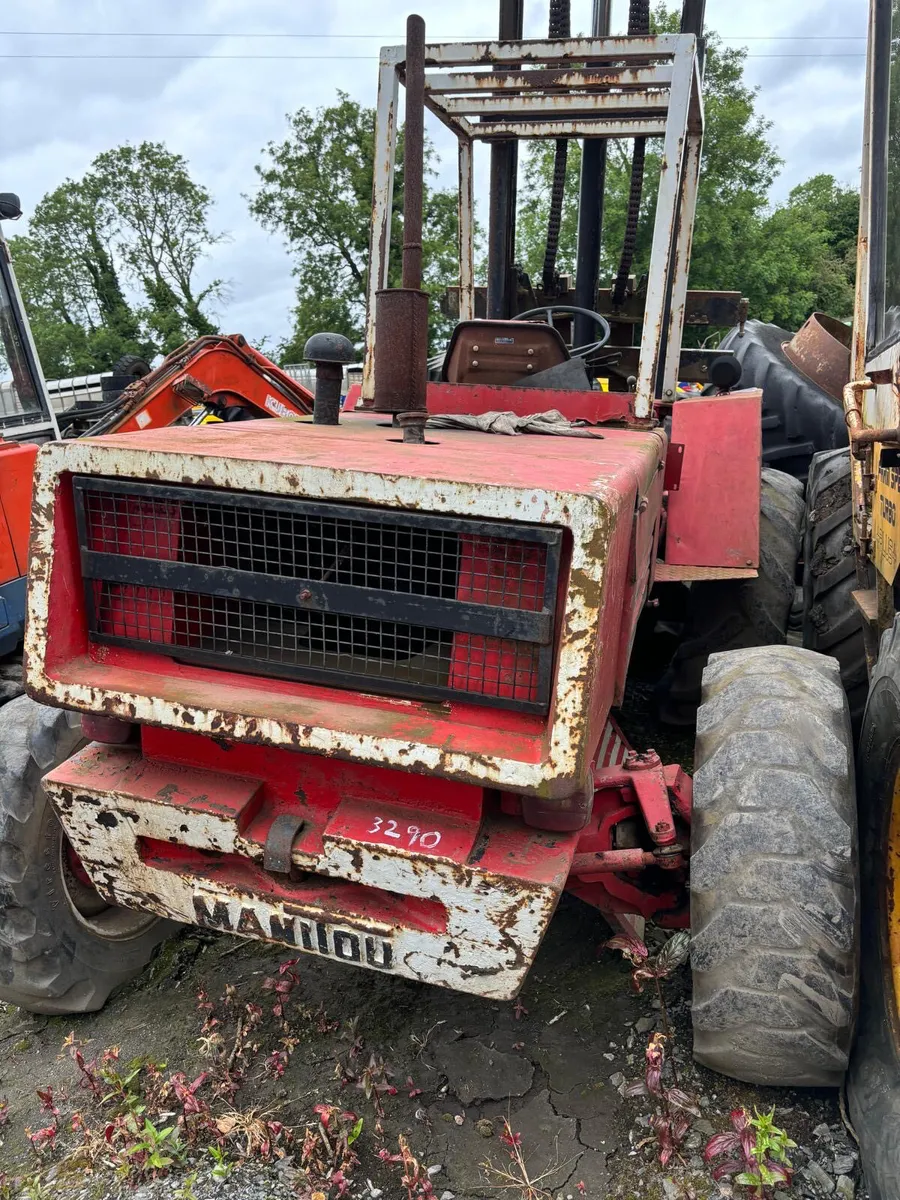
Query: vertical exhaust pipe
401	348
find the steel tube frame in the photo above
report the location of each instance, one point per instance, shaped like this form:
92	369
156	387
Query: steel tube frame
662	98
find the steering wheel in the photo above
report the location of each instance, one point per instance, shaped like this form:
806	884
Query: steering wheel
548	310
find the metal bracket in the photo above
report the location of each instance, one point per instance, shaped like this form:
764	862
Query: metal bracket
674	463
283	832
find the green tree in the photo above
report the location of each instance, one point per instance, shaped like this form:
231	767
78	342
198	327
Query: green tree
107	265
161	218
316	190
788	260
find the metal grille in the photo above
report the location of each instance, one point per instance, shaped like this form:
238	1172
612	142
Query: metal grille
388	601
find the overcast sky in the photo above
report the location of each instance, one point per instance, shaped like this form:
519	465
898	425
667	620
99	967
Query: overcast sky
70	88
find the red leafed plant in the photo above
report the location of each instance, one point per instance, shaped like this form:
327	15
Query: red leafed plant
414	1177
672	1120
660	966
676	1108
757	1151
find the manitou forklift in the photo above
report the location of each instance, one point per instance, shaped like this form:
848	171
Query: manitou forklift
350	684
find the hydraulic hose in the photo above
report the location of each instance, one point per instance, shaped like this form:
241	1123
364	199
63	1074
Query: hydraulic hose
560	27
638	24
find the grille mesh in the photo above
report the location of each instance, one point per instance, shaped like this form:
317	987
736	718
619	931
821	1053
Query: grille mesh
259	585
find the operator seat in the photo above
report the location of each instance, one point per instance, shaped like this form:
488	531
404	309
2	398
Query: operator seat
504	352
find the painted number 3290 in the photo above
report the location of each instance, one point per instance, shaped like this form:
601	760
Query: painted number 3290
427	839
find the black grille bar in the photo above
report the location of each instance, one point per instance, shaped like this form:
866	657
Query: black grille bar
313	596
407	603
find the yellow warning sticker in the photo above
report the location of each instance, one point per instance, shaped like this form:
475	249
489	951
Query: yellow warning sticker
886	507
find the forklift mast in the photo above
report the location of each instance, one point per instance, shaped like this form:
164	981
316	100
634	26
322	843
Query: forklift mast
634	87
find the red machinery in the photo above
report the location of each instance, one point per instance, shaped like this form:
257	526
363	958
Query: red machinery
351	686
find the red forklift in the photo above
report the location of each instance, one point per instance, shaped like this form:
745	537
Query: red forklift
350	683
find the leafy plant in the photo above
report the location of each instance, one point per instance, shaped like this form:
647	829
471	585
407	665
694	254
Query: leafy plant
326	1156
222	1165
757	1149
673	954
415	1177
157	1149
677	1107
185	1190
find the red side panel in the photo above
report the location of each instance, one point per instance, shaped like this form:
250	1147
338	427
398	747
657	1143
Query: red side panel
16	471
713	517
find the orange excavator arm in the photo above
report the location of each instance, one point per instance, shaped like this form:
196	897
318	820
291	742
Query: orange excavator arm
224	375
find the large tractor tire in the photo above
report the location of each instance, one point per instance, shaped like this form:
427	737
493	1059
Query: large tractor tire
874	1080
774	868
62	948
798	417
733	614
832	623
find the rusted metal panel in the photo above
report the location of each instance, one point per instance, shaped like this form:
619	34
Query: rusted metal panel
684	234
612	127
466	216
616	50
650	104
386	887
586	486
821	350
382	206
713	519
444	83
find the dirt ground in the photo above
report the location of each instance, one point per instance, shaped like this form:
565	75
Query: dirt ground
443	1071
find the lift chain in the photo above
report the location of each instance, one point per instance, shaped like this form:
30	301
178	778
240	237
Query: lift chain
638	24
560	27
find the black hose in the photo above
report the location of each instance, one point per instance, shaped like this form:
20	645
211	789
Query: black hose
638	24
560	27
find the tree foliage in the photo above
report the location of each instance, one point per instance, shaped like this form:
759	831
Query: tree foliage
108	264
316	191
788	260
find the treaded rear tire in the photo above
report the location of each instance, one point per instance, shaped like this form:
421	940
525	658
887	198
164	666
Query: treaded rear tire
774	908
798	418
873	1085
729	615
52	959
832	624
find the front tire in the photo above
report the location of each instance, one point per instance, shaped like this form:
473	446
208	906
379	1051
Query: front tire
773	870
874	1080
62	948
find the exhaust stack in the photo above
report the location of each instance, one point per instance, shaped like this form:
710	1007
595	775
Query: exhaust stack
401	351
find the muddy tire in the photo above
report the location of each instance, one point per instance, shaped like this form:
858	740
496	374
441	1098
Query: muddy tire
798	417
873	1085
733	614
832	624
774	862
62	949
